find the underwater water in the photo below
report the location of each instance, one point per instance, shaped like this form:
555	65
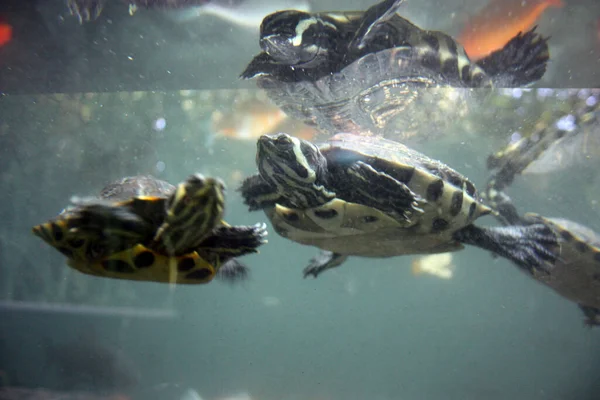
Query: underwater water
375	328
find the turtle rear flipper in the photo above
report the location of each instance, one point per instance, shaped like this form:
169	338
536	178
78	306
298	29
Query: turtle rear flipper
233	271
521	62
531	247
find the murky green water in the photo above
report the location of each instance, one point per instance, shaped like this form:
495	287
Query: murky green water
372	329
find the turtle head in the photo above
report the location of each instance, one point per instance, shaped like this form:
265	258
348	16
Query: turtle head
295	167
296	38
193	210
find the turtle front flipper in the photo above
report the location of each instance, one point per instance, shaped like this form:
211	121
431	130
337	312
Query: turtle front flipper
226	242
592	315
373	17
533	248
520	62
258	194
383	192
323	261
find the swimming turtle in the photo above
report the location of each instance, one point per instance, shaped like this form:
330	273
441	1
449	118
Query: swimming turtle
143	228
357	71
372	197
575	273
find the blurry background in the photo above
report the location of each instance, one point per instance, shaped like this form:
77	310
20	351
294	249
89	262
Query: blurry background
375	329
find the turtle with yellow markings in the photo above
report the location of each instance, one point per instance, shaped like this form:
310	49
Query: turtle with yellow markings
575	273
372	197
356	71
143	228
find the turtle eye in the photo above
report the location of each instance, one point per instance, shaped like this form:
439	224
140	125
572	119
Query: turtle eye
283	141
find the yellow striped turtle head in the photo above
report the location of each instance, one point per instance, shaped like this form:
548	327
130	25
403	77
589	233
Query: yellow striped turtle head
193	210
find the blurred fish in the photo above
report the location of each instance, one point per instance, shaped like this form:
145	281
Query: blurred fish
250	119
6	32
498	22
438	265
244	13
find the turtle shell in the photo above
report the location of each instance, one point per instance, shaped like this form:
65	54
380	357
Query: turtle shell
576	273
358	228
128	232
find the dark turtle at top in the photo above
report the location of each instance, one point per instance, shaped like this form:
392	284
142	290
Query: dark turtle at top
355	71
372	197
142	228
89	10
575	273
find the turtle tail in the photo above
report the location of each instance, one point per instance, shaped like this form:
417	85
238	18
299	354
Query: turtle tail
533	248
522	61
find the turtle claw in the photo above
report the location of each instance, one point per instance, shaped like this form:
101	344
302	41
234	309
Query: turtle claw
85	10
323	261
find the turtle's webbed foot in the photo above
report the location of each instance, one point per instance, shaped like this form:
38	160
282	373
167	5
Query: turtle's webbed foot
237	240
233	271
257	193
85	10
322	262
532	248
520	62
392	196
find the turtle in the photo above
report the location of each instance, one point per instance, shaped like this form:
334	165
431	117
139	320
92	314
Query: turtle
575	273
143	228
373	197
357	71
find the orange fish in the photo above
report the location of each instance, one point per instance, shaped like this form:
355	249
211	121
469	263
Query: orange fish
5	33
498	22
251	119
